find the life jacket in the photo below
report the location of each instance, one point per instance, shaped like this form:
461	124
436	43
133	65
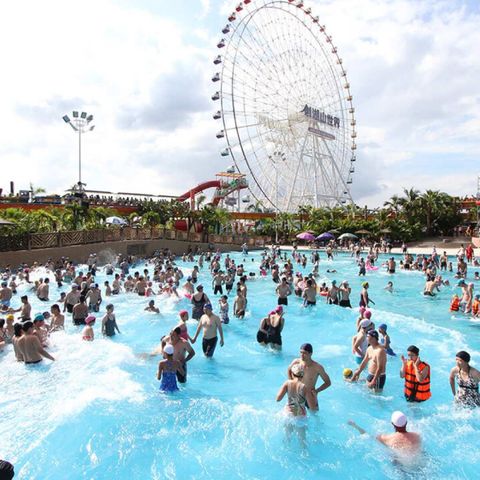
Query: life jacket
414	390
455	304
475	306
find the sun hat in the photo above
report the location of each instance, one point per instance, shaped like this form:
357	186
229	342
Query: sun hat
399	419
168	349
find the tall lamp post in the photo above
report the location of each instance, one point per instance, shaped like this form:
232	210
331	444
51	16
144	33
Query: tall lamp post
80	123
274	159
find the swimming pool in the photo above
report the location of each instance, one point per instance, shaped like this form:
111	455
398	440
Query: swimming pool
96	413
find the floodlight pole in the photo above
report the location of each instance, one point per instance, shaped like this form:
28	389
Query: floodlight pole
80	123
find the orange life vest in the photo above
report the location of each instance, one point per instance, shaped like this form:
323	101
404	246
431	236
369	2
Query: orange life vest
475	306
416	391
455	305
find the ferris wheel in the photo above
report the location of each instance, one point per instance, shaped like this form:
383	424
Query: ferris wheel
285	105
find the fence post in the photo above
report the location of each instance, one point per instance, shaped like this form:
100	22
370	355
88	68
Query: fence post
59	239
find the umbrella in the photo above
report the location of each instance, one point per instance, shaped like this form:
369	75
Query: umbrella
115	221
309	237
363	232
385	230
5	222
326	236
347	235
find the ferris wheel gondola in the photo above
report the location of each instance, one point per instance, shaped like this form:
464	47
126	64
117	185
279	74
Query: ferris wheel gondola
286	105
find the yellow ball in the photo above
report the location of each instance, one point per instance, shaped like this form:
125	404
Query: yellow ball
347	372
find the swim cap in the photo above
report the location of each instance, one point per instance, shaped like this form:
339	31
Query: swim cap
382	327
367	314
168	349
465	356
398	419
207	306
307	347
90	319
297	370
38	318
347	372
182	312
279	309
365	284
373	333
10	317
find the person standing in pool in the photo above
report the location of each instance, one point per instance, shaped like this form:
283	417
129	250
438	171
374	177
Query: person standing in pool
295	390
385	339
364	298
183	351
376	358
312	370
109	322
211	324
344	292
275	325
199	299
467	379
168	369
30	347
283	291
417	376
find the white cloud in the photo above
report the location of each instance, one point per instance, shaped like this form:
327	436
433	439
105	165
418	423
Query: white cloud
412	67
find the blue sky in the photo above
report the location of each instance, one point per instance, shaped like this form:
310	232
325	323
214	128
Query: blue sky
143	69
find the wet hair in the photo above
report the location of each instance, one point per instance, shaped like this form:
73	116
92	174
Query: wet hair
82	298
24	297
412	348
27	325
7	471
2	322
465	356
110	306
17	329
177	330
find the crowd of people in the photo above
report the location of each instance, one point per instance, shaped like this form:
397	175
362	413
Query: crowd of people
371	346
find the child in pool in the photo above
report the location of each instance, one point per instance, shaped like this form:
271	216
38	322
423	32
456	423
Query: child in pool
385	340
87	333
167	370
223	304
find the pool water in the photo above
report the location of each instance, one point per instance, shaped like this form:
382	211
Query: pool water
96	412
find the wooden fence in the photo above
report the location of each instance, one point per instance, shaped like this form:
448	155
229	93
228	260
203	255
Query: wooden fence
33	241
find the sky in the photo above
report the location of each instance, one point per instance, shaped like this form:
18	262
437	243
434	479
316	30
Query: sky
143	68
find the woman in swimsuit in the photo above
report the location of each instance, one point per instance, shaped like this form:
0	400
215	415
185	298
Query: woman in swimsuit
199	299
295	390
275	327
467	379
87	334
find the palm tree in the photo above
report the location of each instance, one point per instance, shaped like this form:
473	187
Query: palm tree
394	204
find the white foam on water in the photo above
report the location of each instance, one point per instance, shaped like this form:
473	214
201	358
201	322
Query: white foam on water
83	374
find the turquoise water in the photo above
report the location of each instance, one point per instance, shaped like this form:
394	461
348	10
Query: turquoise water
96	412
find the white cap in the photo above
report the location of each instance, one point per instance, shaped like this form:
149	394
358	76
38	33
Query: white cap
399	419
168	349
365	323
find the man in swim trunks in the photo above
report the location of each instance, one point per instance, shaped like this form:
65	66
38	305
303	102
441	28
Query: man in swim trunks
376	358
6	294
391	265
312	370
30	347
211	324
43	290
25	310
183	351
283	290
310	294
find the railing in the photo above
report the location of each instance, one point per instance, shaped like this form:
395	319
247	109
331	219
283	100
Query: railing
34	241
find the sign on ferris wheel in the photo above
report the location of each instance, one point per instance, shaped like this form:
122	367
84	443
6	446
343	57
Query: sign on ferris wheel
285	105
